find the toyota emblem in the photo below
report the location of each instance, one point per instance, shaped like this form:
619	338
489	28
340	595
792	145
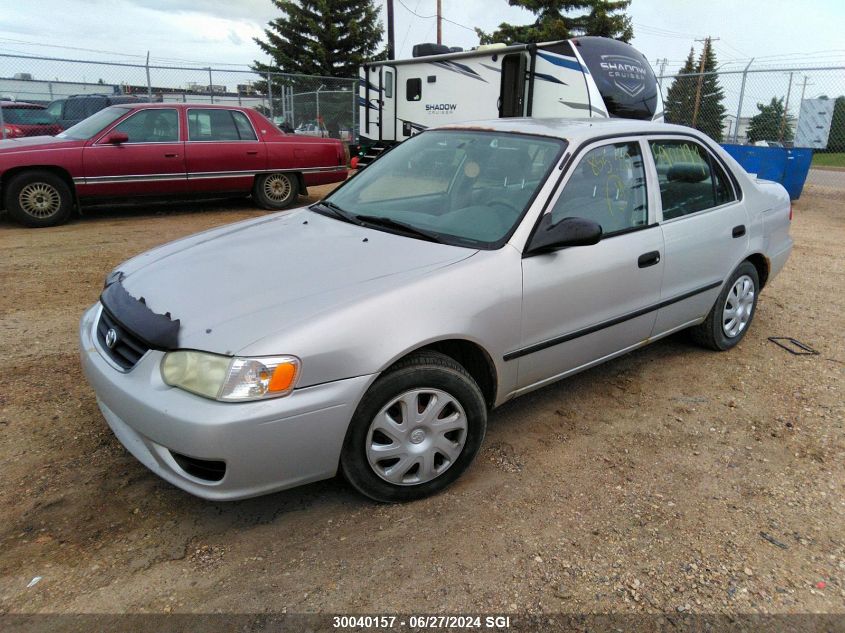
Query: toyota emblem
111	338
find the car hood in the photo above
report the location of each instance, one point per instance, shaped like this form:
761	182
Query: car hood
27	143
233	286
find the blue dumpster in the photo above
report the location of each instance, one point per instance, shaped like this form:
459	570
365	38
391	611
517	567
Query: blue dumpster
788	166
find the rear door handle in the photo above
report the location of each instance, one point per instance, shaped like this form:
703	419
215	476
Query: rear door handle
171	155
739	231
648	259
252	152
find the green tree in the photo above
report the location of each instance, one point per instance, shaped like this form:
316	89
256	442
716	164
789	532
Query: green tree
680	98
711	108
680	104
321	37
769	124
836	140
555	21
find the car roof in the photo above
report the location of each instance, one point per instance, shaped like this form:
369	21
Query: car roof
569	129
216	106
20	104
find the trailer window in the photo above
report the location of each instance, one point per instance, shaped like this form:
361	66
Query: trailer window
388	84
413	89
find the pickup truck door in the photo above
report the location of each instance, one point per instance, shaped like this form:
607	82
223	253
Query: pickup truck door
150	162
223	152
586	303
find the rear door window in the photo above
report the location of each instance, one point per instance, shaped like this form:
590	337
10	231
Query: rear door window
218	125
245	131
687	181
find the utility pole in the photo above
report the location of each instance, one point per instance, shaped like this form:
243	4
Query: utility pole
391	40
439	22
785	110
704	53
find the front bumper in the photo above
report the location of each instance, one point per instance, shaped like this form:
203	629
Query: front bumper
266	445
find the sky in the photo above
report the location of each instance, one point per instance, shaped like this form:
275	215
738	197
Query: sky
218	32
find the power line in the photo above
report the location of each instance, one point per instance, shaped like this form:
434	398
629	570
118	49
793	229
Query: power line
130	55
428	17
410	24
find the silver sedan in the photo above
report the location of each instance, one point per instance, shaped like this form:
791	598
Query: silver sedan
373	332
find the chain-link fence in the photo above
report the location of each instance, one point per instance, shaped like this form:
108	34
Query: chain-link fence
789	107
316	106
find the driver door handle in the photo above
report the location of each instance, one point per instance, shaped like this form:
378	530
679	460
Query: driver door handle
648	259
171	155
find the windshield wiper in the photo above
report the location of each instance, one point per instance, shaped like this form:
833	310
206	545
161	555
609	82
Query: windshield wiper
388	223
336	211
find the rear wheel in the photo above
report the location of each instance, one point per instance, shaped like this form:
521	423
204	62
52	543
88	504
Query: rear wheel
731	315
275	191
416	430
38	199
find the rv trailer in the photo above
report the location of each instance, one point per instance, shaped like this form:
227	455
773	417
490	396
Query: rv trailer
576	78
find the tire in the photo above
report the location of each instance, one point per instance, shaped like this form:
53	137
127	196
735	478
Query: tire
275	191
38	199
718	331
432	452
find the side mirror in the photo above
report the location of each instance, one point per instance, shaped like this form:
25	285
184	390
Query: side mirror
116	138
568	232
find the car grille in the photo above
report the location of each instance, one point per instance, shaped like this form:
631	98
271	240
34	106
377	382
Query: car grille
127	349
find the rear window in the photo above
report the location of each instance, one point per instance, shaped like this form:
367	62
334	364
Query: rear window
623	76
27	116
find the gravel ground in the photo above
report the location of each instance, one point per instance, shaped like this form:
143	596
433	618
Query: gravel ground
672	479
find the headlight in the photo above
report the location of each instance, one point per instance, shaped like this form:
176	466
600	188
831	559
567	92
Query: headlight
231	379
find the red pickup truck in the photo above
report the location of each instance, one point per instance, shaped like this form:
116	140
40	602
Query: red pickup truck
162	150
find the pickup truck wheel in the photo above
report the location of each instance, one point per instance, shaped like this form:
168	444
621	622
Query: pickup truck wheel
415	431
38	199
275	191
731	315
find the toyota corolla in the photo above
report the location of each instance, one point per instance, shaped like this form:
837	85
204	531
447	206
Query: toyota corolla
373	332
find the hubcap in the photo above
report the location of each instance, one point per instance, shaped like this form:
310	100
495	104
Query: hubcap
277	187
738	306
416	437
39	199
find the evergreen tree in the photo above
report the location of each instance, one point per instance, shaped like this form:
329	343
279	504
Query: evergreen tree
711	109
836	140
768	123
555	22
321	37
680	98
679	106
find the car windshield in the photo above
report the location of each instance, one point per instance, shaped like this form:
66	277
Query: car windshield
462	187
87	128
23	115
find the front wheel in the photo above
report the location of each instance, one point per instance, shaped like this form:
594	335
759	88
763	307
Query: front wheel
415	431
275	191
731	315
38	199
